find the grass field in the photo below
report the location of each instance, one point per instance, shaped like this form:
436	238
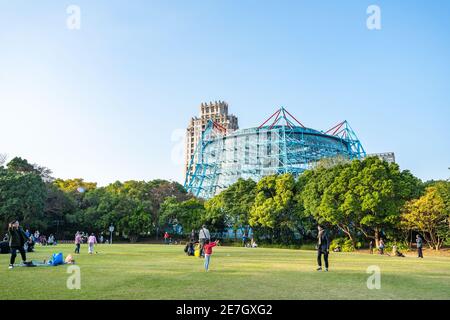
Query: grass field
164	272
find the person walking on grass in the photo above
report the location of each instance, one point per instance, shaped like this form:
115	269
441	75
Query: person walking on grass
323	248
77	242
207	247
419	243
17	239
203	235
92	240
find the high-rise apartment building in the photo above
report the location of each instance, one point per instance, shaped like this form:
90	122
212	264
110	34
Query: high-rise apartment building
216	111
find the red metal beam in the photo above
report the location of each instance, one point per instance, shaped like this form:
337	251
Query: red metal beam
219	127
276	119
294	118
276	112
335	128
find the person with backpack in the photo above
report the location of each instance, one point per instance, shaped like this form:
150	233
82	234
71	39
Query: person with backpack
17	239
203	236
323	248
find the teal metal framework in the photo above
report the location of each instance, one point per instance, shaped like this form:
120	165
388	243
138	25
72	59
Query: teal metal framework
284	145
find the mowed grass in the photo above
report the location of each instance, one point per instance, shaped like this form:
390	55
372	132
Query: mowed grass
165	272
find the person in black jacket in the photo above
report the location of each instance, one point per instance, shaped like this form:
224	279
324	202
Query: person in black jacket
323	247
17	239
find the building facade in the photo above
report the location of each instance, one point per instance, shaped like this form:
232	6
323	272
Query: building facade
283	146
386	156
215	111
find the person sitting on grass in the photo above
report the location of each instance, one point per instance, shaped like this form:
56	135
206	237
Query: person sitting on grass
254	244
51	240
207	247
396	253
30	247
189	249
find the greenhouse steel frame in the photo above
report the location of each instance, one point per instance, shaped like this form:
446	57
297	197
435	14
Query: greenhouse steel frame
281	144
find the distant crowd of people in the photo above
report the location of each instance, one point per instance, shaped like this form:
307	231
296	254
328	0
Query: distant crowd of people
34	238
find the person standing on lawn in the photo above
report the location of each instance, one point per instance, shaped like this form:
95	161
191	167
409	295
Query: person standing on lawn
17	239
323	247
203	235
92	240
381	246
207	247
419	243
166	237
77	242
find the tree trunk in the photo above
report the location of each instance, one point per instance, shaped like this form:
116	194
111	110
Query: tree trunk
377	237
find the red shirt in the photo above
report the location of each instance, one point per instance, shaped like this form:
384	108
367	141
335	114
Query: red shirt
208	247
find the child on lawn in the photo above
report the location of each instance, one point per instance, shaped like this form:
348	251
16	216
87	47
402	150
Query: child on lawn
91	241
208	252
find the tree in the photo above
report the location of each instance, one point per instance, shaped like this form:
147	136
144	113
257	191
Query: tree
74	185
381	190
364	196
20	165
189	214
22	196
430	215
323	196
235	203
159	190
275	208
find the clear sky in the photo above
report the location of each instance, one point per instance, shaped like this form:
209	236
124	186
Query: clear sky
108	102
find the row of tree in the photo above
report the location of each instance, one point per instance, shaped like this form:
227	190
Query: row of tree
62	207
359	200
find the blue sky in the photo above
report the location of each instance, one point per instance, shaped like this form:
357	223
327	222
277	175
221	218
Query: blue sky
107	102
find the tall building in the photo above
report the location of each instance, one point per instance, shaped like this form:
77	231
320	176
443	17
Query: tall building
386	156
216	111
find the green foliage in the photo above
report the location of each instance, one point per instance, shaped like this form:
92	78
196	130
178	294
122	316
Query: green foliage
22	196
364	196
345	244
430	214
189	214
276	208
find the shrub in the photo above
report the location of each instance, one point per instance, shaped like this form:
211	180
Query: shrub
345	244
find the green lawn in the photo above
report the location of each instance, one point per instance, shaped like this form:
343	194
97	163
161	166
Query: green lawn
164	272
